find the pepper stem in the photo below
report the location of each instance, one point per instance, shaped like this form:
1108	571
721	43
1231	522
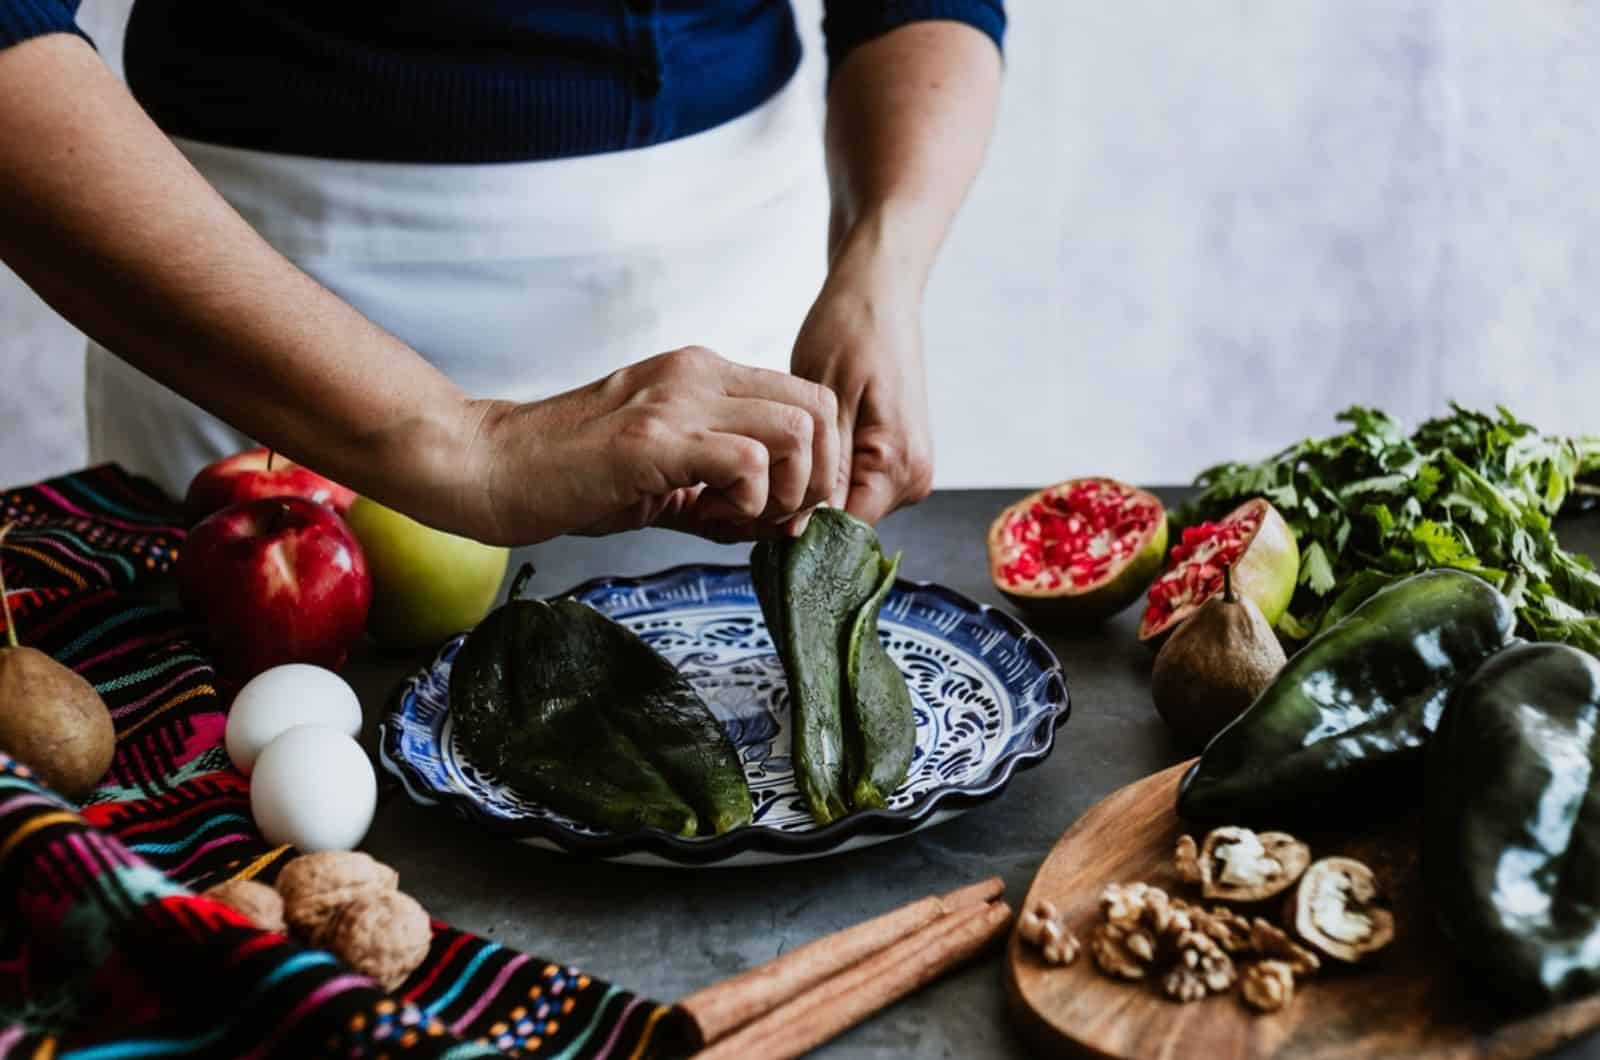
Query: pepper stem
1227	584
5	601
524	575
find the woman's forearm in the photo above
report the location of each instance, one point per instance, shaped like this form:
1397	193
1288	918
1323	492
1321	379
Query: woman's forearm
909	119
107	221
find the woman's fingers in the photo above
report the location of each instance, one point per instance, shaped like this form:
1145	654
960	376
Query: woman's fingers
787	432
816	400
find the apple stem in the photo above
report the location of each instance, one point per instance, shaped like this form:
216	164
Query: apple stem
1227	583
270	454
524	575
5	601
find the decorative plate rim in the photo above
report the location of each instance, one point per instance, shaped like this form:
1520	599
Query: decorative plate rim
752	838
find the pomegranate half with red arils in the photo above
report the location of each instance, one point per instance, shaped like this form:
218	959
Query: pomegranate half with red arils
1079	551
1254	540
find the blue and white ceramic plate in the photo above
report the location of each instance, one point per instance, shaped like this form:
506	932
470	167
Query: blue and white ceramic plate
988	696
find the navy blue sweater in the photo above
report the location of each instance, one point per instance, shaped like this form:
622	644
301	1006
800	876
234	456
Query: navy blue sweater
468	80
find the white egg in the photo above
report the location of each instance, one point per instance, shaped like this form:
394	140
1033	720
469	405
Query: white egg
278	699
313	788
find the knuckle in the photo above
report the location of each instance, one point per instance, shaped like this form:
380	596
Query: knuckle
827	403
644	429
689	361
796	425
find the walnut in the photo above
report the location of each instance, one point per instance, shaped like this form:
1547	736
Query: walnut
1238	865
1267	985
1201	968
1339	911
1041	926
383	936
1186	859
1134	904
1272	942
254	901
316	886
1123	952
1224	927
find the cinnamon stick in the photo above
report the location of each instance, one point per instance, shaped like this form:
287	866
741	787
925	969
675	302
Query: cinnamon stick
876	982
732	1003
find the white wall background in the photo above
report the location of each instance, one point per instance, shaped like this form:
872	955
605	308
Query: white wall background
1203	229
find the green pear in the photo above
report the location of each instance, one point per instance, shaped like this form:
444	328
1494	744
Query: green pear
427	585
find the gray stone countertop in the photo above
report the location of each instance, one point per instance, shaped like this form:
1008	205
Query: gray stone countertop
666	932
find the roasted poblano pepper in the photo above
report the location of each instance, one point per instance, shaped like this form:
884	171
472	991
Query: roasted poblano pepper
1511	842
850	710
881	728
1347	719
579	713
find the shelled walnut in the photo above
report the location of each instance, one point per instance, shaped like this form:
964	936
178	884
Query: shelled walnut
1041	926
1270	941
1267	985
1186	860
1201	968
1123	952
1224	926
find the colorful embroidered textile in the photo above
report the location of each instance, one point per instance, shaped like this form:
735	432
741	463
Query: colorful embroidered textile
106	953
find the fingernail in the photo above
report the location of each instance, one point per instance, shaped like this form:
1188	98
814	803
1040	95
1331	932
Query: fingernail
798	524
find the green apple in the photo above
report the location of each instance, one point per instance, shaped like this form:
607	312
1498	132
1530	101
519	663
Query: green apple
427	585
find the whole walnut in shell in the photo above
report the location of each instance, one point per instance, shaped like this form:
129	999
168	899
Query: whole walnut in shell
315	887
255	901
382	936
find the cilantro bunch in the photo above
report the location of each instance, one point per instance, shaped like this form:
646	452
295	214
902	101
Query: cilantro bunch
1467	490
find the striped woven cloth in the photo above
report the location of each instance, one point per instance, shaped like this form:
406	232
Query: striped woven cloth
106	951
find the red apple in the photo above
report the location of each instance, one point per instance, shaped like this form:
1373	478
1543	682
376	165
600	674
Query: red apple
275	581
246	477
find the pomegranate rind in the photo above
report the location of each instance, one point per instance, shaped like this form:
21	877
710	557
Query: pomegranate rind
1265	574
1070	605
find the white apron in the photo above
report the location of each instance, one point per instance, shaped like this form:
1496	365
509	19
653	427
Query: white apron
520	280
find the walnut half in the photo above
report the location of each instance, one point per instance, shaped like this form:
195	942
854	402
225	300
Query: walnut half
1238	865
1201	969
1339	911
1040	926
1267	985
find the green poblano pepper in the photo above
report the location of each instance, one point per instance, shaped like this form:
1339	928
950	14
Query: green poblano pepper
882	727
1511	842
852	727
1346	720
576	711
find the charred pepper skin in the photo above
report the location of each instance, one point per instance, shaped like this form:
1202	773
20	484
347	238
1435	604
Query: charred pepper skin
578	712
1511	842
1348	717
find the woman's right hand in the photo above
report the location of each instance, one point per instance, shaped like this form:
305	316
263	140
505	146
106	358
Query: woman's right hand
686	439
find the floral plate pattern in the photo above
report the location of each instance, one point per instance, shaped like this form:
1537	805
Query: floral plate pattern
987	697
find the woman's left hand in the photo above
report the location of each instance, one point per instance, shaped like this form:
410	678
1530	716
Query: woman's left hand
863	340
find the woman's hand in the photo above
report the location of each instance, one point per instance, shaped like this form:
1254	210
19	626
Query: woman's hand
686	439
863	340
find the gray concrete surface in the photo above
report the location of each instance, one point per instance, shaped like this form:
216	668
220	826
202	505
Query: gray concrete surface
666	932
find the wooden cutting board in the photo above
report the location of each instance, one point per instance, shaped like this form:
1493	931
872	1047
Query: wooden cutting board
1412	1001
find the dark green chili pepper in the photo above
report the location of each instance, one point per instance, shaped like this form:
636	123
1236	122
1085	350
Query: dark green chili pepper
1511	841
851	725
882	728
1347	718
579	713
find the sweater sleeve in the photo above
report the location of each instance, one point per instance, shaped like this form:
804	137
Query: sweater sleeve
21	20
847	23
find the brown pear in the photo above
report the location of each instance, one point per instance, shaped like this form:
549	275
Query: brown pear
1214	666
51	719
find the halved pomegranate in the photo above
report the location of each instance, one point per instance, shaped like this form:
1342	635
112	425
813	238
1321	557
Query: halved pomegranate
1079	551
1254	540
